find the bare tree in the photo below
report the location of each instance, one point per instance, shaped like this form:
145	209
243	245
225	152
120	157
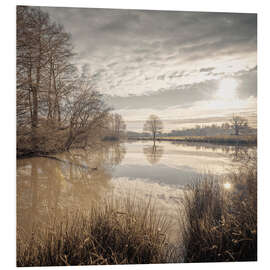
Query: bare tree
85	112
225	125
56	105
238	123
32	24
43	64
116	126
153	125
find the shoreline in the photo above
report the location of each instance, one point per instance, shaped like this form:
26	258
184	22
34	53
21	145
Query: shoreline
248	140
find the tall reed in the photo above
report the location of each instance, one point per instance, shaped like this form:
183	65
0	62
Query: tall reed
118	232
221	218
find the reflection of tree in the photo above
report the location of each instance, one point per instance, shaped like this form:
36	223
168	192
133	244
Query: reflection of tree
38	191
86	177
239	153
153	153
116	154
206	146
47	188
225	149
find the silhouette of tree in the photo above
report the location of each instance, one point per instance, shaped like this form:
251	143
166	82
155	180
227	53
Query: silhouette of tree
237	123
153	125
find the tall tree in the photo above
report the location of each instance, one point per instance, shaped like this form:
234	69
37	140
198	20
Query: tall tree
238	123
153	125
85	111
43	56
116	126
56	105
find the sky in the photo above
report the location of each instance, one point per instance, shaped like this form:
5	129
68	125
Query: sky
188	68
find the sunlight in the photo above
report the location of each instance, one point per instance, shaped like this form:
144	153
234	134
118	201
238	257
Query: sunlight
227	185
227	89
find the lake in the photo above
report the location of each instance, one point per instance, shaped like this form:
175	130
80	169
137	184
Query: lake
49	188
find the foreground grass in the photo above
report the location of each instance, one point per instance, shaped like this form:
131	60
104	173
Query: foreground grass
218	223
220	139
221	224
117	233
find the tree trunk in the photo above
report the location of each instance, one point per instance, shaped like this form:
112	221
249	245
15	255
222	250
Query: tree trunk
70	139
35	90
34	118
49	91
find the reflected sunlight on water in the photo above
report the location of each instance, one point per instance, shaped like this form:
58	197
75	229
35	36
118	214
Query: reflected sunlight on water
227	185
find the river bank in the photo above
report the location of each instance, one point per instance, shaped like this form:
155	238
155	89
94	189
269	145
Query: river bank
222	139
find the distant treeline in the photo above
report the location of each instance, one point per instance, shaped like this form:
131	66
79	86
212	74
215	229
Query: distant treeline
206	130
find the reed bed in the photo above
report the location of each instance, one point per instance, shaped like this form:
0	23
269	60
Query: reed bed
217	223
221	218
119	232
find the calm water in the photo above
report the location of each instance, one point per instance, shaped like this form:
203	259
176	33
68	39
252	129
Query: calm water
47	188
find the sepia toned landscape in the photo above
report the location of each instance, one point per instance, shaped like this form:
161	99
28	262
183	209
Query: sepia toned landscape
136	136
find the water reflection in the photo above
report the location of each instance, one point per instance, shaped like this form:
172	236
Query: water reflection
153	153
226	149
116	154
239	153
174	163
227	185
47	188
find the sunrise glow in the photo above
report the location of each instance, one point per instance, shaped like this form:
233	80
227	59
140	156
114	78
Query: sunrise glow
227	89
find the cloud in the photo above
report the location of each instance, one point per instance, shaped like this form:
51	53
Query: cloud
182	95
207	69
248	83
161	59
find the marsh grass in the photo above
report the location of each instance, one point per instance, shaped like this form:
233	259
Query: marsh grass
118	232
221	224
216	224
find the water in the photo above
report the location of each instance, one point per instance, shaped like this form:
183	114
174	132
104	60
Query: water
47	188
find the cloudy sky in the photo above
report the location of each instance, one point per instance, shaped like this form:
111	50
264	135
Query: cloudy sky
186	67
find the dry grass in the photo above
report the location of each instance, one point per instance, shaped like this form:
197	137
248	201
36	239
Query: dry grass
217	225
221	224
124	232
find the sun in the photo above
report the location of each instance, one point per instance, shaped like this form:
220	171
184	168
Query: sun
227	89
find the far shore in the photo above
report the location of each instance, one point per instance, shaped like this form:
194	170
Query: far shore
250	140
220	139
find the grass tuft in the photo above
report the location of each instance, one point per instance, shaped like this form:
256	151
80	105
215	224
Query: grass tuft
221	223
124	232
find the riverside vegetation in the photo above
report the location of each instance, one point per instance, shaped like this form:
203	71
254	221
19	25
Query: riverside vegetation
221	223
215	224
218	139
58	106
